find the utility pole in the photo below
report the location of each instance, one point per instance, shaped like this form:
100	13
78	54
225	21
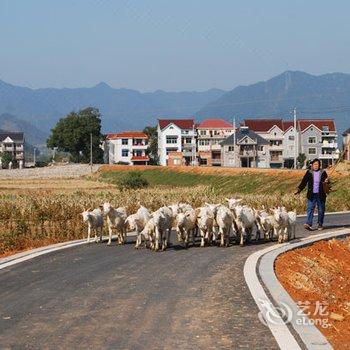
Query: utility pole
34	156
295	138
91	151
234	141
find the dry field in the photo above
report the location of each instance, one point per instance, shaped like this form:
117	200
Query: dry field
46	207
321	273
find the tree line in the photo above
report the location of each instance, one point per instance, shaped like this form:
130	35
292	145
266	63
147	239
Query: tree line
78	131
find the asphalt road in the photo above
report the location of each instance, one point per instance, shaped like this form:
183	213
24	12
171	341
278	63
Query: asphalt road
99	297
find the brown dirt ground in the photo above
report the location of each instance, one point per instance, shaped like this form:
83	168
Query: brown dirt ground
321	272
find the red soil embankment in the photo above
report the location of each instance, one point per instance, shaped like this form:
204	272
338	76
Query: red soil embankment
320	274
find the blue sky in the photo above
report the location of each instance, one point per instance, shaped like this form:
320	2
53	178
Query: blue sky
169	45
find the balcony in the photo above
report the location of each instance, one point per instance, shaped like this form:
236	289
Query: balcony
189	145
276	147
329	156
276	159
329	145
216	161
247	153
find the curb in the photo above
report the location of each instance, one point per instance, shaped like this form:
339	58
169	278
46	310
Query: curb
33	253
270	296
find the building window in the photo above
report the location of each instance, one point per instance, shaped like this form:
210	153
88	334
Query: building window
125	141
185	131
125	153
168	150
291	138
171	139
217	132
203	132
231	148
312	150
312	139
260	148
188	140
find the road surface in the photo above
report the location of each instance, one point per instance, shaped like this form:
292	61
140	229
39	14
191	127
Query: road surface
99	297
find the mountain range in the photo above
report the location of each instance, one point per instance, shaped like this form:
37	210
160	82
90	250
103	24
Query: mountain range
327	95
121	108
324	96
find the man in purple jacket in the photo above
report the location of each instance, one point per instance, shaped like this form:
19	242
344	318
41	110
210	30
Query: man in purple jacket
316	195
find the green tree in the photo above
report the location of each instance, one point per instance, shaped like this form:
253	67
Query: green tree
72	134
152	150
6	158
301	159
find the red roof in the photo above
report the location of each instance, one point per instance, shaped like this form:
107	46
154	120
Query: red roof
140	158
287	125
181	123
214	124
263	125
319	123
127	135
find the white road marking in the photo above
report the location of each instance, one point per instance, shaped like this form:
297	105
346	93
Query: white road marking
280	331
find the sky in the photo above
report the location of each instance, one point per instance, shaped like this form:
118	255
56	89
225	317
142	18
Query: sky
169	45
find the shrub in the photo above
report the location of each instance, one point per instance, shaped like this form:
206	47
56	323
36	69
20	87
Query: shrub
133	180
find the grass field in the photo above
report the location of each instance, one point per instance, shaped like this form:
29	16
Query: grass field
36	212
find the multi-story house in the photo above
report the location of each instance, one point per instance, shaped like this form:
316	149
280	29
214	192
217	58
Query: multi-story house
318	139
246	149
211	133
176	141
127	147
12	142
272	130
346	144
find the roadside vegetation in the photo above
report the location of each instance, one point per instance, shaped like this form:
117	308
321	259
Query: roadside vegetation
39	212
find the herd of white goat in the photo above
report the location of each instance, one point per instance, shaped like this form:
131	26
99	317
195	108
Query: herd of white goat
210	222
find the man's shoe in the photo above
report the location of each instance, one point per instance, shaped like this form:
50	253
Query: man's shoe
320	227
307	227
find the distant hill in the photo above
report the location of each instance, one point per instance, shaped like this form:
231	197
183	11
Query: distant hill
122	109
313	96
32	135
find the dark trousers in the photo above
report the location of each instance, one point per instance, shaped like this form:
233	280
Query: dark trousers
314	201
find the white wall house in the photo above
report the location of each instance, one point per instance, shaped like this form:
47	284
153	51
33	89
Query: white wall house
211	133
127	147
319	139
316	138
176	135
13	143
271	130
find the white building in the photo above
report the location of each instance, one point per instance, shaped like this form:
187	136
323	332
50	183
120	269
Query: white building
271	130
176	141
13	143
316	138
211	133
127	147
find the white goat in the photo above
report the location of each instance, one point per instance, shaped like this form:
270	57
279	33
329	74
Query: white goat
163	220
263	224
137	222
280	224
224	220
205	223
115	220
95	222
186	224
245	221
292	216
